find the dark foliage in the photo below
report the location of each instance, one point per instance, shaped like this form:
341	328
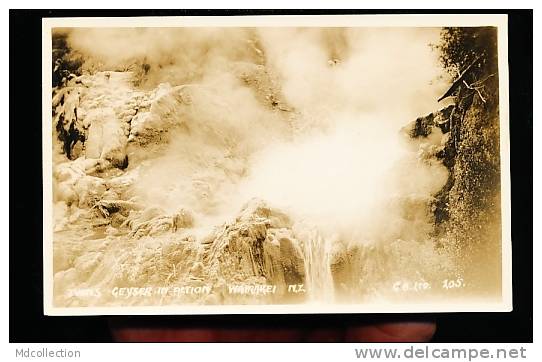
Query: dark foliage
65	61
460	47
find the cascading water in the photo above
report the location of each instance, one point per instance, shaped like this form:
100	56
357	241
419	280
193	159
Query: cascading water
317	259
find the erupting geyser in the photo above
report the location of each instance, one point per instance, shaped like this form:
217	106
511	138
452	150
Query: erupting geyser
246	166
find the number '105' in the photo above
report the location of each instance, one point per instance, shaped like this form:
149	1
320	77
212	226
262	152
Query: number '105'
451	284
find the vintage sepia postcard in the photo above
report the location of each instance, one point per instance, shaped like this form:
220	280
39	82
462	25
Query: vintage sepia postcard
276	164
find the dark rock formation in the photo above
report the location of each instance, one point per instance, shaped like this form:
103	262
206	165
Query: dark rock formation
467	209
258	246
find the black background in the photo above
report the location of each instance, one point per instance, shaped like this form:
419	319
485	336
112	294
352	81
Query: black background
26	320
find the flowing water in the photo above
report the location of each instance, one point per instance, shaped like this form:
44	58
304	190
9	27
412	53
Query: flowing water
317	259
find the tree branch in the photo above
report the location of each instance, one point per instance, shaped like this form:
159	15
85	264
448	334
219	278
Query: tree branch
459	80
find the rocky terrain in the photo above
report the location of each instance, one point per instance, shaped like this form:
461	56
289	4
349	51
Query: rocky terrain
107	235
468	208
148	207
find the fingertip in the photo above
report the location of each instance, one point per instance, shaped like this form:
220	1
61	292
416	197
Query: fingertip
392	332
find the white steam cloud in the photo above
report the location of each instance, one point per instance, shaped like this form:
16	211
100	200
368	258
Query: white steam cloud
342	163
